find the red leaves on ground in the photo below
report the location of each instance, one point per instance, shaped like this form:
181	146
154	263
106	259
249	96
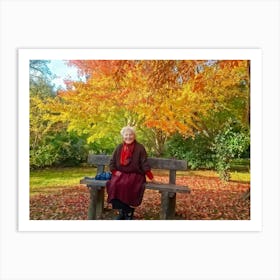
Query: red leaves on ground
210	199
68	204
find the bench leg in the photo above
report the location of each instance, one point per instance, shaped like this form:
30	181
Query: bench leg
96	203
100	203
168	204
92	204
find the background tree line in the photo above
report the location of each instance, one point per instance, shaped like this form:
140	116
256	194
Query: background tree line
193	110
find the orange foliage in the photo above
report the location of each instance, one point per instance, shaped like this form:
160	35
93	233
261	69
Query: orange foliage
166	95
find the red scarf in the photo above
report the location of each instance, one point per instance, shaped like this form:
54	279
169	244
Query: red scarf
126	153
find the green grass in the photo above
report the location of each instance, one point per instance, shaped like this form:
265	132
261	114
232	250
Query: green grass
239	176
241	164
52	179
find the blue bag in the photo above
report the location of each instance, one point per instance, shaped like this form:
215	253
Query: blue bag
103	176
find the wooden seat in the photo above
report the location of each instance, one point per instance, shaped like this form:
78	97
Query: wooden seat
168	191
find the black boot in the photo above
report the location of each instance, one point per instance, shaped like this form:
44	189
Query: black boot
129	214
121	215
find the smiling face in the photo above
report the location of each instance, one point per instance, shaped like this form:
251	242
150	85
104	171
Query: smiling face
128	137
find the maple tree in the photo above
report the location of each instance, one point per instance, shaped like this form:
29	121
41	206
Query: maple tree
159	97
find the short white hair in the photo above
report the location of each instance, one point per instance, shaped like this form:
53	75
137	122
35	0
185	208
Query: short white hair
127	128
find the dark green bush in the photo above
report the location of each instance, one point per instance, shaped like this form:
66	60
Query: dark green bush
213	152
60	149
197	151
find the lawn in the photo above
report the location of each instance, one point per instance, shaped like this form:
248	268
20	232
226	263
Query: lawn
55	179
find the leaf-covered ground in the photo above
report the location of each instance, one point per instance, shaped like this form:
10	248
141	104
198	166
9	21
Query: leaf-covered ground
210	199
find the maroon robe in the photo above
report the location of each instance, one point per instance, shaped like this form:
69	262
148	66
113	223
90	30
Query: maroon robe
129	186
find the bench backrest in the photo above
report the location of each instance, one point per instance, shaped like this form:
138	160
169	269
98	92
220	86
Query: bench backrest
156	163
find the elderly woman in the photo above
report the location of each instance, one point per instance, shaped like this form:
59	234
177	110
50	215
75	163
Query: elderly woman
129	169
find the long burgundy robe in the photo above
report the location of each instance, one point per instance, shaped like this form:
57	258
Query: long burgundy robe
129	186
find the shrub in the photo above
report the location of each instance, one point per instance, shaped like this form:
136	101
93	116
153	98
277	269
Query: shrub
60	149
230	143
197	151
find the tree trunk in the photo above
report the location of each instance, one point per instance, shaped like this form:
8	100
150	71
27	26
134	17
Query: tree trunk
160	139
249	97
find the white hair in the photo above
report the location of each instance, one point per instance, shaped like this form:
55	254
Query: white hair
127	128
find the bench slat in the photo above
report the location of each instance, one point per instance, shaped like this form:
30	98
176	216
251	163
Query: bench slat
168	164
168	188
155	163
99	159
151	186
93	182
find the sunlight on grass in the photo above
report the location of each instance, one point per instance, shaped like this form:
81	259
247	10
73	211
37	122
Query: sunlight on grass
235	175
240	176
48	180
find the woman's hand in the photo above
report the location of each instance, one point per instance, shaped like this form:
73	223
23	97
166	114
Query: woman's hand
118	173
154	181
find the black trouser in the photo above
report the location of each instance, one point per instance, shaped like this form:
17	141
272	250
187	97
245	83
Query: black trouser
117	204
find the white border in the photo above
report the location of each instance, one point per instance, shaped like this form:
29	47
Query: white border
255	224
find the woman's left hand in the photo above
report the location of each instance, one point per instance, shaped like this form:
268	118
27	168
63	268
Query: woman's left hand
154	181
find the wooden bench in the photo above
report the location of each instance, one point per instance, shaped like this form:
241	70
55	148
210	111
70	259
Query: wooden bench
167	191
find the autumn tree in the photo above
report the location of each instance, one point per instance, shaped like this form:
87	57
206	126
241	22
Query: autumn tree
159	97
40	87
118	93
50	143
224	131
